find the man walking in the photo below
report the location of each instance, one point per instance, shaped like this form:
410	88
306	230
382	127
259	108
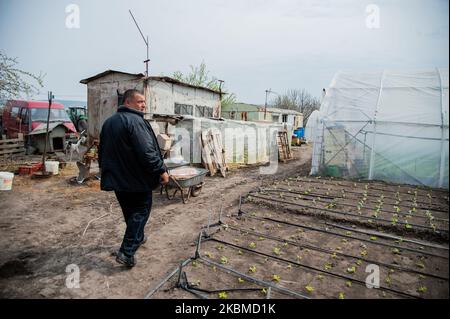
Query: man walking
132	166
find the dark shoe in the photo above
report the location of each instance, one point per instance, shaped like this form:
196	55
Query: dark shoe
121	258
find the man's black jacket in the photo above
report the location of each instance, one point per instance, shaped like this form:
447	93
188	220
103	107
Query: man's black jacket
129	156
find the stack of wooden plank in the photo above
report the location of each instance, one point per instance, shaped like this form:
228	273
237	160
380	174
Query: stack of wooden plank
284	149
213	153
12	146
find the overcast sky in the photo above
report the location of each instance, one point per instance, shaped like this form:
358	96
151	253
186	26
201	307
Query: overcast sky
251	44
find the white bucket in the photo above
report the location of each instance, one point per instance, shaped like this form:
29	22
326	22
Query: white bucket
6	180
52	167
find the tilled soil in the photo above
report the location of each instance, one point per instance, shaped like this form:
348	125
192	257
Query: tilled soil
48	225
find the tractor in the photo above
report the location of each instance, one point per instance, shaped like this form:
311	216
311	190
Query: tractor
78	115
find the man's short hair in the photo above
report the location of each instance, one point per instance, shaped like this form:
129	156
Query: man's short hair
130	94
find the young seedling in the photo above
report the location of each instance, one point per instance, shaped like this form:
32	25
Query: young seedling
276	278
252	245
194	263
420	265
224	260
396	251
351	270
422	289
252	269
373	238
348	284
208	254
264	291
341	295
240	280
309	288
320	277
328	266
277	251
223	295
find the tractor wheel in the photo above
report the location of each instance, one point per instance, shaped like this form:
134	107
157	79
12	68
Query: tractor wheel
82	125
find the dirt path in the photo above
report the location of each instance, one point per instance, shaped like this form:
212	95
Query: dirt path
44	229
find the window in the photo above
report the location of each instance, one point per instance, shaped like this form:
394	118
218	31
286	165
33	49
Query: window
285	118
203	111
24	116
14	111
183	109
40	115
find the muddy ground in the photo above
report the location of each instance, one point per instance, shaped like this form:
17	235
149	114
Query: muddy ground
46	225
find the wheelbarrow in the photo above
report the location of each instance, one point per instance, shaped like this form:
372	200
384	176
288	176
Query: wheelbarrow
186	180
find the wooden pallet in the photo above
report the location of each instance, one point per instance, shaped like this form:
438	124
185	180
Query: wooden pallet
213	153
12	146
284	149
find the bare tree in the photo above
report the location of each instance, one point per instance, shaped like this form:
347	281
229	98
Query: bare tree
15	82
299	100
199	76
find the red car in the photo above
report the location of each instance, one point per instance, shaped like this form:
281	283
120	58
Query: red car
24	116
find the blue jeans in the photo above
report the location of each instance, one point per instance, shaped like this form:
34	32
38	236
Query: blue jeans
136	209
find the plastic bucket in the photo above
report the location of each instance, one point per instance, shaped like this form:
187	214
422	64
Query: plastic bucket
6	180
52	167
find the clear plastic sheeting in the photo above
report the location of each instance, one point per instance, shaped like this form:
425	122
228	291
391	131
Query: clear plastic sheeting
311	125
390	126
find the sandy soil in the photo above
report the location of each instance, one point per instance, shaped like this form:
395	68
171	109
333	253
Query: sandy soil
47	225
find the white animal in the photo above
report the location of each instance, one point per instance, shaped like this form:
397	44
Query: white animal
75	147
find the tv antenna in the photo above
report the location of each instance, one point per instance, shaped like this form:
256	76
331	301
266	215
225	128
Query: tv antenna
145	41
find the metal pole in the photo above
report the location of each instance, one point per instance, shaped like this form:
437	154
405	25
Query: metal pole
50	99
265	105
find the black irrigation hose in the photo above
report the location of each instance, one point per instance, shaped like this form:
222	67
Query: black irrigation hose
348	205
347	214
167	278
372	201
345	236
396	186
189	286
387	197
314	269
255	280
293	243
379	189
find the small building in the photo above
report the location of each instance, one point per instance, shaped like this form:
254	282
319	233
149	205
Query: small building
56	137
257	113
291	117
164	96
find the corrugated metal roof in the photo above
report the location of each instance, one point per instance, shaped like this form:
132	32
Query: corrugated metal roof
155	78
107	72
